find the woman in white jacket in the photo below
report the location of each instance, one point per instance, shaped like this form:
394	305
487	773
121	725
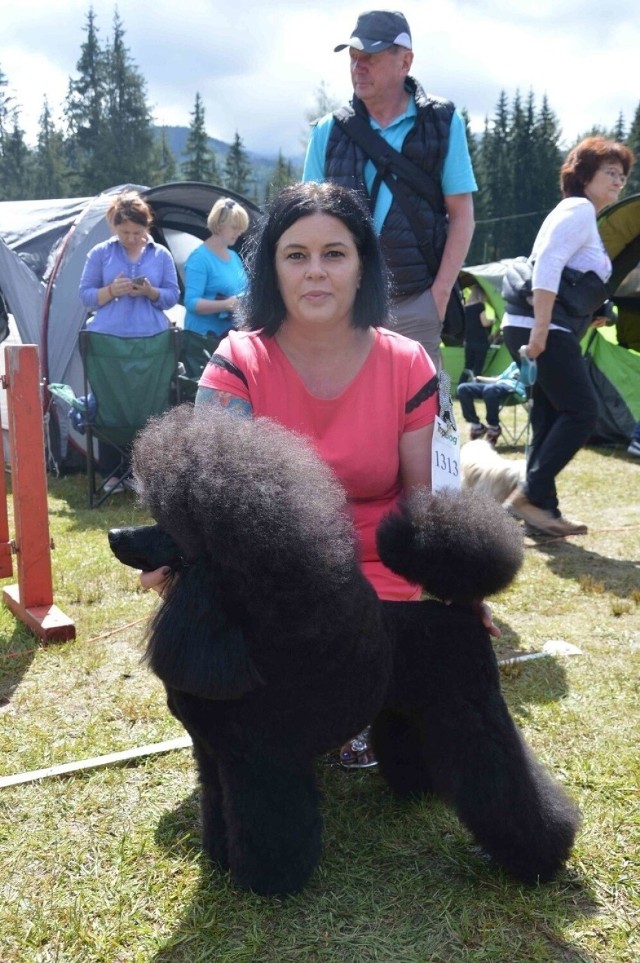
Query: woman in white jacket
564	406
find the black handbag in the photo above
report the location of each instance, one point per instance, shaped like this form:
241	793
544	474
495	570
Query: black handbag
579	296
581	292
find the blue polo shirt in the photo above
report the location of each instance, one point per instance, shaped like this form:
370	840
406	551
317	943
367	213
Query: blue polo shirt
457	173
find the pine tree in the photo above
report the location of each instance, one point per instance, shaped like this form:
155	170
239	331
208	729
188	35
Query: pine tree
85	115
237	167
50	173
633	142
474	255
165	167
618	132
282	175
518	236
548	160
16	165
8	110
201	160
129	140
497	179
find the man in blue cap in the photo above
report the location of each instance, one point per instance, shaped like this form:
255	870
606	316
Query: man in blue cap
422	209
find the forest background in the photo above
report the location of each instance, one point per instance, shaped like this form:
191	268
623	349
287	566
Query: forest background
108	137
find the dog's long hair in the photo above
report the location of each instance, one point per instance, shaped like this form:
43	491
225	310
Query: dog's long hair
259	522
486	472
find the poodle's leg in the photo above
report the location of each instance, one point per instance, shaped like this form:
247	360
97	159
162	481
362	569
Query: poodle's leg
399	747
273	822
214	830
516	811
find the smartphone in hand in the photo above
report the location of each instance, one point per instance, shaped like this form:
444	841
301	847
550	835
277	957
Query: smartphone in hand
139	281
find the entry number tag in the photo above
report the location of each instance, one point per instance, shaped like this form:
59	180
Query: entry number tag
445	456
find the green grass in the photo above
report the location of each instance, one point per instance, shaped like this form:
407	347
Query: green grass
105	865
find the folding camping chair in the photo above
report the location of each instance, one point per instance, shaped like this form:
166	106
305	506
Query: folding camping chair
131	379
515	419
195	351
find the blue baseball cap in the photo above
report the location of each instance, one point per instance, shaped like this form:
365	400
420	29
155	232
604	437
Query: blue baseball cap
376	30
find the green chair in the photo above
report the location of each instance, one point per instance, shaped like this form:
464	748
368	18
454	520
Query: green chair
195	351
131	379
515	420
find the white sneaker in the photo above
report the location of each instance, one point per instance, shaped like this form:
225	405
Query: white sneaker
113	486
634	448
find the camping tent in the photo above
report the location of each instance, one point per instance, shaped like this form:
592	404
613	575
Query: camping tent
612	353
43	247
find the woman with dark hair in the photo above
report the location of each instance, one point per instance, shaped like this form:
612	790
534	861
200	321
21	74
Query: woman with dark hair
564	405
129	281
313	356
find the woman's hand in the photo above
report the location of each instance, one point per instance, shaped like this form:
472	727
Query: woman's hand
537	344
141	289
120	286
158	579
483	611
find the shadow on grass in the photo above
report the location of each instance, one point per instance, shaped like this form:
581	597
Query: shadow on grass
17	652
567	560
397	883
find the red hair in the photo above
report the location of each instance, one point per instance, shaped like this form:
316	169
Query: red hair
129	206
585	160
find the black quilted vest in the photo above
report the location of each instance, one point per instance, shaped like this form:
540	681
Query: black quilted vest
426	146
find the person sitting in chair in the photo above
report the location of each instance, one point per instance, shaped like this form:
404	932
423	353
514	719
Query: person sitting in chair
493	391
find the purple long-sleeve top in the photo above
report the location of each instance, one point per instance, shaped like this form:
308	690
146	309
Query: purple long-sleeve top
129	317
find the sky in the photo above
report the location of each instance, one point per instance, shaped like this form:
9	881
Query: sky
258	64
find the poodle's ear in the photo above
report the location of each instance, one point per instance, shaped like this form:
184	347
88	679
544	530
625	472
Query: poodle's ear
193	646
459	546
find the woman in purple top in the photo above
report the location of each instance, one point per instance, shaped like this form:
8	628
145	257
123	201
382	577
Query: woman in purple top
129	280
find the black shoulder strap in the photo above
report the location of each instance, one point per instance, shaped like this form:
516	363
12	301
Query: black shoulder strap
385	157
229	366
399	174
421	396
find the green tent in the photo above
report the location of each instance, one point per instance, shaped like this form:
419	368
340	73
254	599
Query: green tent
613	353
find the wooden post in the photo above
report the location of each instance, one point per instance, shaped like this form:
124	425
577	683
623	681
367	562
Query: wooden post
32	599
6	566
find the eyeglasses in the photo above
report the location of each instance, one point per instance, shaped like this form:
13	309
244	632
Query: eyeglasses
614	174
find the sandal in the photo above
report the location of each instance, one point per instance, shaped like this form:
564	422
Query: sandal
357	753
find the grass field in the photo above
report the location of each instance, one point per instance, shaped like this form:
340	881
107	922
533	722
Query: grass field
104	865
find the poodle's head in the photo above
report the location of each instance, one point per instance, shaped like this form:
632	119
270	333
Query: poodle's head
244	492
458	546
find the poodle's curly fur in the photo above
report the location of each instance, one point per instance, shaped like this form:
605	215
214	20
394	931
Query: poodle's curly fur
274	649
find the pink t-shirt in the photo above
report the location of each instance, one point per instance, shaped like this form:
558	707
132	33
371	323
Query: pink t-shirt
357	433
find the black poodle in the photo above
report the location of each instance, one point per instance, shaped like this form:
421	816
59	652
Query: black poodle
274	649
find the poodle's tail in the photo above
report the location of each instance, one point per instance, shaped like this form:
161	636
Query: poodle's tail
458	545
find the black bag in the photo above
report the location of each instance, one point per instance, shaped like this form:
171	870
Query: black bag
579	296
581	293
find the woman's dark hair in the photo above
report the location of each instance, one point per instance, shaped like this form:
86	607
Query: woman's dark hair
586	158
129	206
263	306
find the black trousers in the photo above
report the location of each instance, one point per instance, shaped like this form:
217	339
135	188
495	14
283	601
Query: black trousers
475	355
563	414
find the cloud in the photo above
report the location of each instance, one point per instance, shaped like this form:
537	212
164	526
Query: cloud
257	65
